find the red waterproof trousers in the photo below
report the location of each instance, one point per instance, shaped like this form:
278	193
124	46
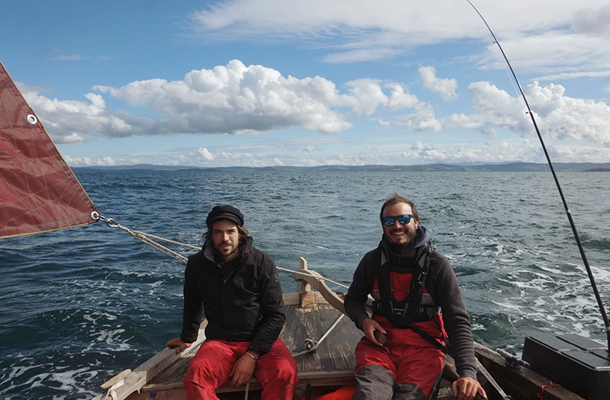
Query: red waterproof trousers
409	358
209	370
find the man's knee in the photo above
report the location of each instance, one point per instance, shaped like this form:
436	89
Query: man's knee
282	370
195	391
287	370
204	372
374	383
278	364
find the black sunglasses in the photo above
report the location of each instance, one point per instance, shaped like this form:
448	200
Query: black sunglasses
402	219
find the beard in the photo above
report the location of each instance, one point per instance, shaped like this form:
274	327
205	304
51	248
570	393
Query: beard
402	243
226	249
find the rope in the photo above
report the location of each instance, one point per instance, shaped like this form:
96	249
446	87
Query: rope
306	274
148	239
312	345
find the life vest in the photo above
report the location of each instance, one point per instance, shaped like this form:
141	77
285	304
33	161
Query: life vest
410	309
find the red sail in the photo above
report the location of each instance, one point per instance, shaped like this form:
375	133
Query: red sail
38	191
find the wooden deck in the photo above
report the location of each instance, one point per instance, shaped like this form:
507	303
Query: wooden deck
334	357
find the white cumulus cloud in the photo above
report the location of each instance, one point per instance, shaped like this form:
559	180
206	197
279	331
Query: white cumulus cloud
205	154
557	116
235	99
444	87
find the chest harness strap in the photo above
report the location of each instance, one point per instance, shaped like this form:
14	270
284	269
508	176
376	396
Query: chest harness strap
403	313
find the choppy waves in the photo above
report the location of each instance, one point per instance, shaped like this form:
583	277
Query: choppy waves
81	305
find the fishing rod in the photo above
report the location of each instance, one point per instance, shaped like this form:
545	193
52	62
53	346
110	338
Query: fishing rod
550	163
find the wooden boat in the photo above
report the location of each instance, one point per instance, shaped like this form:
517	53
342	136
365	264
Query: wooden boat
322	340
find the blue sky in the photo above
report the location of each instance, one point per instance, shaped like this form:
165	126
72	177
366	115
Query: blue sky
317	82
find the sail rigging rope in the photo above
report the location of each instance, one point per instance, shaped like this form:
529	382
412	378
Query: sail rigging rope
147	238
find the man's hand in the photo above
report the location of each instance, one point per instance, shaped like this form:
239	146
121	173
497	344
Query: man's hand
369	327
243	369
467	388
178	344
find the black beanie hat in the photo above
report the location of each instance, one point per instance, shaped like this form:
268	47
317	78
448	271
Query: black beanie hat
224	212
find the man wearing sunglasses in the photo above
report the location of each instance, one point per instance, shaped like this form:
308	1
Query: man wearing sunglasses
417	304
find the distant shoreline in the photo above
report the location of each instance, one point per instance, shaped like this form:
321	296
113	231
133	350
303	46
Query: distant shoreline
507	167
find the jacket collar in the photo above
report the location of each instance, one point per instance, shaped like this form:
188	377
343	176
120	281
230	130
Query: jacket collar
388	253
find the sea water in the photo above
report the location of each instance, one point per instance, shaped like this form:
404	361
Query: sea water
80	305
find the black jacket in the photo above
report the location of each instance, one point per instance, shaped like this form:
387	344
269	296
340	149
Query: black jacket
242	300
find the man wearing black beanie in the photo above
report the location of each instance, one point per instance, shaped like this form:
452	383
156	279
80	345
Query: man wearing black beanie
237	287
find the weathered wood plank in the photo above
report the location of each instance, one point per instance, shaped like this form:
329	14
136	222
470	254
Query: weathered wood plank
115	379
147	371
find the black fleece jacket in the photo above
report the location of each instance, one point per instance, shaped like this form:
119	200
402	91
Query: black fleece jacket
242	300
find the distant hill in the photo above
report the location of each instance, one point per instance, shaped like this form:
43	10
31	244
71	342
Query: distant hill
135	167
598	169
508	167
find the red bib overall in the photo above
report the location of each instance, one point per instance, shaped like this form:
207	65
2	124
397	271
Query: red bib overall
414	362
